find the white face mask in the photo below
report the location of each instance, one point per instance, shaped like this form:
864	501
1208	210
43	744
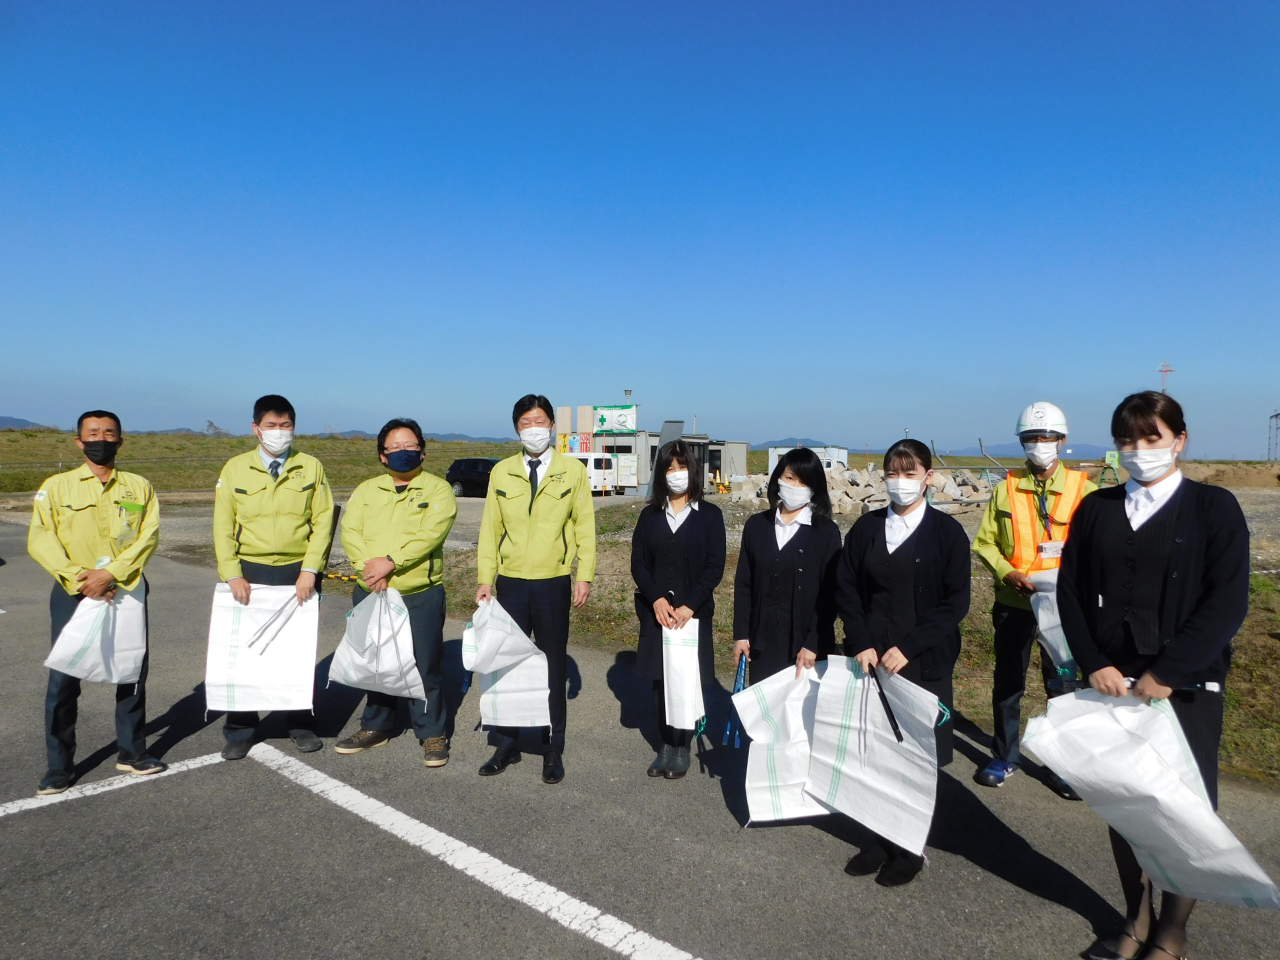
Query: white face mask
678	482
1041	455
904	492
793	498
1147	465
535	440
276	442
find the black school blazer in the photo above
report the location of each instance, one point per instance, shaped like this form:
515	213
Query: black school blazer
1206	583
704	553
813	600
942	582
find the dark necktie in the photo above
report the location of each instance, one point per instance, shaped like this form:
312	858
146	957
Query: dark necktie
533	480
275	469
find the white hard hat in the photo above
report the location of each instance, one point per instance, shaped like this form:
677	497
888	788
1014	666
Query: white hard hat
1042	417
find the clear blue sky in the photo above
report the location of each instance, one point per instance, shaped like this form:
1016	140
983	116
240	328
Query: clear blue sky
833	220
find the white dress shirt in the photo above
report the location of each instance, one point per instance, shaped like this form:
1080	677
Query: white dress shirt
1141	503
674	520
268	459
897	527
785	531
544	461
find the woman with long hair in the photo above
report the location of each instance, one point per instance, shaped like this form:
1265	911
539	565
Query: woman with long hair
677	561
784	593
903	589
1153	586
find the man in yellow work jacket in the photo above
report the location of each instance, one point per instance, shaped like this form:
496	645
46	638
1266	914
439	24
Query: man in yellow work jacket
94	528
1022	532
393	530
538	516
272	525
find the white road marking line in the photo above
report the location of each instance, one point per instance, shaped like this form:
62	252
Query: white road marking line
105	786
580	917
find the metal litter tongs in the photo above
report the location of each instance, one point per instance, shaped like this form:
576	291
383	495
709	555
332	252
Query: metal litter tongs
271	629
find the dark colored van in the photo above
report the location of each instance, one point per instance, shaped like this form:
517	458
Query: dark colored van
469	476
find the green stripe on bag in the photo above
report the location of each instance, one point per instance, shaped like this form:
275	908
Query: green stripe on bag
842	742
94	632
774	794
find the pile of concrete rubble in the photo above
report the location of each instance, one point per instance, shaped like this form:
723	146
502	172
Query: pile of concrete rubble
855	492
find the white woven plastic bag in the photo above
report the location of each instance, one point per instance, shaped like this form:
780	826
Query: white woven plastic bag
376	652
681	678
777	714
262	655
858	766
105	641
513	672
1044	604
1131	764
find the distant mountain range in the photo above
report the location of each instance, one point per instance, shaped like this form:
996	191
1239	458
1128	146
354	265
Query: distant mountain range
1072	451
790	442
17	423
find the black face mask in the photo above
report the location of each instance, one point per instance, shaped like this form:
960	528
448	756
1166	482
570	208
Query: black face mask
404	461
101	452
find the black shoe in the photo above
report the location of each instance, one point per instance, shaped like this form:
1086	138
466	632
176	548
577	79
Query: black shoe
553	768
141	766
502	758
55	781
867	862
662	761
306	741
679	764
1060	786
236	749
901	869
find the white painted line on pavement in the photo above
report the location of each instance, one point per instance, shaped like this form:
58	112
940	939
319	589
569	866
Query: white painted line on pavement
105	786
580	917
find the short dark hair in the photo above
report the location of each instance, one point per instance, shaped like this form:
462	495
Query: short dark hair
807	467
905	455
399	423
98	415
531	401
680	452
272	403
1137	414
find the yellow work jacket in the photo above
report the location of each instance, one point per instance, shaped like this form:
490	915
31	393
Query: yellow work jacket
996	542
408	527
540	543
275	522
81	524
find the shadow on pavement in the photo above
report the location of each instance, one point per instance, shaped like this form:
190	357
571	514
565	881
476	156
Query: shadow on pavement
964	826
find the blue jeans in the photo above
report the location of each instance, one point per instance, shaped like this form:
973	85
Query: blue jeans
426	621
61	701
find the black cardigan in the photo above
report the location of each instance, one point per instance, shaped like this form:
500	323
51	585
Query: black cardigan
704	553
1206	584
942	581
813	601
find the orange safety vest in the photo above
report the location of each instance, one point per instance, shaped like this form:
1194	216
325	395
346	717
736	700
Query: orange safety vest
1022	511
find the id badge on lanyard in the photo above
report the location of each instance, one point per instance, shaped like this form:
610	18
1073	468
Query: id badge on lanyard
1051	549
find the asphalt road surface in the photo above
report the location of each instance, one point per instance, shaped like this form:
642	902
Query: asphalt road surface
374	856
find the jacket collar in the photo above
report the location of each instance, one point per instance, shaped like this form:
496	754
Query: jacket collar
1057	482
515	469
84	473
385	482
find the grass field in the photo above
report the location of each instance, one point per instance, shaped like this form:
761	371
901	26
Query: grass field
192	462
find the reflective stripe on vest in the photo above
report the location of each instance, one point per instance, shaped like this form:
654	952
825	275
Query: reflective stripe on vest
1023	514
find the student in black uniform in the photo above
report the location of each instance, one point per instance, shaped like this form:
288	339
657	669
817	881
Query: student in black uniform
1154	584
677	561
784	594
903	589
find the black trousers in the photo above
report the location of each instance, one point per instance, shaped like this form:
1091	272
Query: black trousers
541	609
426	621
61	701
243	724
1015	636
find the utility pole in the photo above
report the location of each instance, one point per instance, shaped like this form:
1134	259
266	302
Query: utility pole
1164	372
